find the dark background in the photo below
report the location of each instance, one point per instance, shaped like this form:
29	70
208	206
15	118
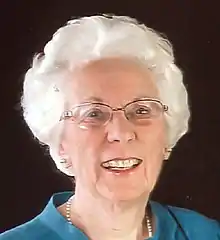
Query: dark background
191	177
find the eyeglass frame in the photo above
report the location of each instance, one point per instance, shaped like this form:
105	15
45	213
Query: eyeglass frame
69	113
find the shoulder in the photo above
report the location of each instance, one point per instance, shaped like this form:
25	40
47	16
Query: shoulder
48	225
193	218
194	224
34	230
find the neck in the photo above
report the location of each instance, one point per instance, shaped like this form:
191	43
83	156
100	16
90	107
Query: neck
105	219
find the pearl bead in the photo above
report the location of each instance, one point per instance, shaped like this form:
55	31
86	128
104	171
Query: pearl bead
68	217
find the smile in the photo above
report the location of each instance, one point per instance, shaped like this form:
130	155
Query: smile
121	164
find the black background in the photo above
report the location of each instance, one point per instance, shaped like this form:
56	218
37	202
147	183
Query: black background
191	177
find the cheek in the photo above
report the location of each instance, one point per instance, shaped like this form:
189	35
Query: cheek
76	139
83	148
154	140
154	136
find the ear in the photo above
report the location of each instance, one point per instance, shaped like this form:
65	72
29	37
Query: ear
61	152
64	163
167	152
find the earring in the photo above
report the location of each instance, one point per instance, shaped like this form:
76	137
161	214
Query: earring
64	162
167	153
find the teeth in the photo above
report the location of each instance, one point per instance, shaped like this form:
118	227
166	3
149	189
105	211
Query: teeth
121	163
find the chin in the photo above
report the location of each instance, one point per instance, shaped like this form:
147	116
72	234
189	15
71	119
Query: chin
124	195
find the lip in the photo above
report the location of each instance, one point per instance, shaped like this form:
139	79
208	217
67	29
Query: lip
129	171
122	173
122	158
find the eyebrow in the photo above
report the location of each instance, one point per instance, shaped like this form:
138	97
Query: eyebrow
143	96
93	98
98	99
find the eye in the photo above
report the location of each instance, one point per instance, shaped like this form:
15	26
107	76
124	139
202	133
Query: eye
139	112
143	110
94	114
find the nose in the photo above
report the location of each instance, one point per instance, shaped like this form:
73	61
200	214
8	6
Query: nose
119	129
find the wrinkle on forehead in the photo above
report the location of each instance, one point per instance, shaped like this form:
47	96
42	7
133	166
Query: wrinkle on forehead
107	64
121	77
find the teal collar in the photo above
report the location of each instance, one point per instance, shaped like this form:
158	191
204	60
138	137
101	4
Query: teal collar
165	225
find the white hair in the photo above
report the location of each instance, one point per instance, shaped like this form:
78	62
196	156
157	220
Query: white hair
91	38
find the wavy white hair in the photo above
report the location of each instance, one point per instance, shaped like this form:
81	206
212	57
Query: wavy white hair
90	38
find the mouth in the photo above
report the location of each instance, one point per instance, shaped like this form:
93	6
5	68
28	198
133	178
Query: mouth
121	164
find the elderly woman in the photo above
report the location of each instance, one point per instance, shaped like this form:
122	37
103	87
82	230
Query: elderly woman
108	100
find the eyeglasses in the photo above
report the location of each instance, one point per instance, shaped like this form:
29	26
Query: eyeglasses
96	114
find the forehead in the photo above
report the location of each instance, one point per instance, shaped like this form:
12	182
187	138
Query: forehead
112	80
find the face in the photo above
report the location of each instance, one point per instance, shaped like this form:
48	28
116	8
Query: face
115	82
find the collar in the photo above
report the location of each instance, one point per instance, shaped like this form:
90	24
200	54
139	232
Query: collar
165	225
52	218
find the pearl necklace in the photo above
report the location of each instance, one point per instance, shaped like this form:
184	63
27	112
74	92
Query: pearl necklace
68	217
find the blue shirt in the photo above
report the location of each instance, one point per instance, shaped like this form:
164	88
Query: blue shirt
172	223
